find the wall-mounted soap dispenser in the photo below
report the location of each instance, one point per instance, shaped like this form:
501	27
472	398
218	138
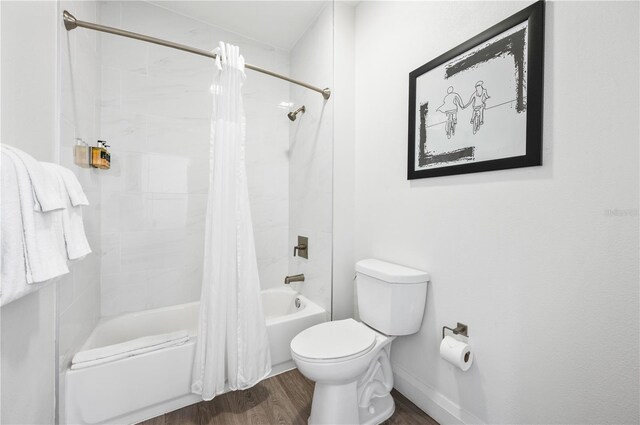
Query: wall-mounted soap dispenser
100	156
82	154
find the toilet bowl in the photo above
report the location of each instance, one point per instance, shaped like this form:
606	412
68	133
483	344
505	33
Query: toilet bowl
349	363
350	360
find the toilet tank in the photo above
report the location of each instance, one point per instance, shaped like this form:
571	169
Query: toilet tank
391	298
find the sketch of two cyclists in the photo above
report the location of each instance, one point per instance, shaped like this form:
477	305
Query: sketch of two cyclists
453	100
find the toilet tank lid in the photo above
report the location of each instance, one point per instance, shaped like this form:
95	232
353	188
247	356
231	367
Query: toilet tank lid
391	273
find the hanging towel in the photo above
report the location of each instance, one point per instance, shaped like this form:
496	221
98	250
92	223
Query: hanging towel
42	234
45	196
72	185
72	225
13	280
131	348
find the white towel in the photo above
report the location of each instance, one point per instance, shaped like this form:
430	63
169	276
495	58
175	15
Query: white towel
45	196
13	279
43	241
131	348
72	224
71	183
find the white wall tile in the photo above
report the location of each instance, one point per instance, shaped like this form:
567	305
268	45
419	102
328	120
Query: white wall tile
311	158
124	132
110	252
79	291
170	211
128	172
155	113
110	86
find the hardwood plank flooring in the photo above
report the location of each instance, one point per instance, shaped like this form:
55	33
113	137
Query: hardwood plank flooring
283	399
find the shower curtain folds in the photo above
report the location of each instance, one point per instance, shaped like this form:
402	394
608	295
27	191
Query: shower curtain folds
232	349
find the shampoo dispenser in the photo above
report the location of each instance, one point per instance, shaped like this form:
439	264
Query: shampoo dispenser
100	156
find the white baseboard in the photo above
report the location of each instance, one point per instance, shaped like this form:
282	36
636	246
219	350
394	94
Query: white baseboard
427	398
282	368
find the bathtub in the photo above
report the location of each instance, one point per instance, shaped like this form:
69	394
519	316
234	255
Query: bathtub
137	388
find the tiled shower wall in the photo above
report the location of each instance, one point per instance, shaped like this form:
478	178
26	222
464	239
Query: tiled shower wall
79	291
311	180
155	114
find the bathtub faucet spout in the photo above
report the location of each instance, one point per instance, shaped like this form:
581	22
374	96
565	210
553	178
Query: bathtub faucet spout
294	278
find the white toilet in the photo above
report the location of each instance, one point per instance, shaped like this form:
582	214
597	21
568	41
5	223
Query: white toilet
349	360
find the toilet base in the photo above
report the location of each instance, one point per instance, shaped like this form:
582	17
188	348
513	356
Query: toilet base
383	408
365	400
338	405
334	404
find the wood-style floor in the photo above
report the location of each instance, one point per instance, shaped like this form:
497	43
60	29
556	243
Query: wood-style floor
284	399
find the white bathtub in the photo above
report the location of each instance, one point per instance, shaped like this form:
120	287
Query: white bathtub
137	388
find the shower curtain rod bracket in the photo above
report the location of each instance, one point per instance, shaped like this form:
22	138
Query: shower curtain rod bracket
70	23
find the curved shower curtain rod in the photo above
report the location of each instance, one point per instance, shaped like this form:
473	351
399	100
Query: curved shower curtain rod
70	23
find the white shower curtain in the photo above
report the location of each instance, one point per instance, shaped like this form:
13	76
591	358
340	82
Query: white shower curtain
232	349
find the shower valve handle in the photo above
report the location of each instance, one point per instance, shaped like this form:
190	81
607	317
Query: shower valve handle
300	247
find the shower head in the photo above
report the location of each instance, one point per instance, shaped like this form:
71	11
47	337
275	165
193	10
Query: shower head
293	115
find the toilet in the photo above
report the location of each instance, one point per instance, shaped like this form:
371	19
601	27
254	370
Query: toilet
349	360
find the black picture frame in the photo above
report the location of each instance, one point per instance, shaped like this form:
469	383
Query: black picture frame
534	16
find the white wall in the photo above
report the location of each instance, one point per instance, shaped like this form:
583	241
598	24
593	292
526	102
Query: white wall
78	296
343	99
156	111
30	95
28	122
311	157
532	259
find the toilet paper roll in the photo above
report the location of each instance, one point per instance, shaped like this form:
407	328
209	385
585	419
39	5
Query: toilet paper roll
456	352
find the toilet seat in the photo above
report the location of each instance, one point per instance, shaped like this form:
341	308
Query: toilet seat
340	340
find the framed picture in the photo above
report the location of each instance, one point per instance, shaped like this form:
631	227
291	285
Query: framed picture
478	107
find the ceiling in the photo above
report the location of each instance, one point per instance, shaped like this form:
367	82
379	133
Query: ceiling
276	23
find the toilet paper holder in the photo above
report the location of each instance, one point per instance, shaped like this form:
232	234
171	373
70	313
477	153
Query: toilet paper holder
460	329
